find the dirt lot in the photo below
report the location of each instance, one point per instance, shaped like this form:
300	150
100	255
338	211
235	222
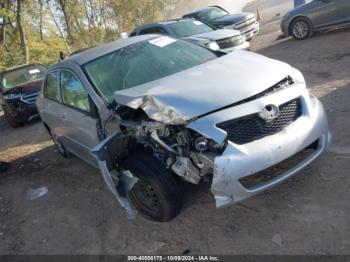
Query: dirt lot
310	214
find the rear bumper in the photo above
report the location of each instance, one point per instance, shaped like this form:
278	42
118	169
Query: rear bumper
239	161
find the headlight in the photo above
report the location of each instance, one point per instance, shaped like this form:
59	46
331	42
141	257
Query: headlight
213	46
201	144
12	96
297	76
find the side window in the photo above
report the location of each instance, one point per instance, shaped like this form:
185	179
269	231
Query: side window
52	86
73	93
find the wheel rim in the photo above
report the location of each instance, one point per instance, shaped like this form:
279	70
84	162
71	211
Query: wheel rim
146	195
301	29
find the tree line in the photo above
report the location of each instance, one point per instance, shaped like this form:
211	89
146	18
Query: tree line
37	30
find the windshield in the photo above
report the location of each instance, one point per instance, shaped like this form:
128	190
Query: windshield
17	77
144	62
189	27
211	14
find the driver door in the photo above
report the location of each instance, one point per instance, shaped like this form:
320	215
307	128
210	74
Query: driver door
78	118
327	13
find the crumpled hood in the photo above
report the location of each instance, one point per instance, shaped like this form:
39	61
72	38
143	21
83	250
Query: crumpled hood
180	97
214	35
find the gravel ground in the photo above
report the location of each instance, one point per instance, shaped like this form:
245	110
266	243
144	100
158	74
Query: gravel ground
309	214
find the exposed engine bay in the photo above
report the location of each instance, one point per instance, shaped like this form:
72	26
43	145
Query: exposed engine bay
183	151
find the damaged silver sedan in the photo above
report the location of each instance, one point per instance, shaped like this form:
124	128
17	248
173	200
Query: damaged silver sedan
150	110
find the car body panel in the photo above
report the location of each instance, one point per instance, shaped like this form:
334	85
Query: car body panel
168	100
76	129
23	106
321	14
25	87
197	99
202	39
215	35
232	21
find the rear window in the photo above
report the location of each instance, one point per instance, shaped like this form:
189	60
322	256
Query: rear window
144	62
17	77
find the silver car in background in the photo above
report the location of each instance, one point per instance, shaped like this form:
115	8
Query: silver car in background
226	40
318	15
150	110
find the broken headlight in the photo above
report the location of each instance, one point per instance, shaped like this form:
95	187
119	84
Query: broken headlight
203	144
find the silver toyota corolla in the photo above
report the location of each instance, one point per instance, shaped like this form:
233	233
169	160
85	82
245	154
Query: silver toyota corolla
150	110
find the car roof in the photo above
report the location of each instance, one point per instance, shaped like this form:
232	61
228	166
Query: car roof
90	54
19	67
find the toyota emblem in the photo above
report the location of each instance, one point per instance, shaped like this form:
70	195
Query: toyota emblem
270	112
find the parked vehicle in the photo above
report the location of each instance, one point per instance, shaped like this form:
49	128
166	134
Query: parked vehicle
218	17
226	40
19	87
317	15
151	109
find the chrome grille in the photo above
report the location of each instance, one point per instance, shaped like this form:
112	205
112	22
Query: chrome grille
252	127
230	42
30	97
245	23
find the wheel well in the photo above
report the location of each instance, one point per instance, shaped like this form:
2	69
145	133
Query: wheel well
296	18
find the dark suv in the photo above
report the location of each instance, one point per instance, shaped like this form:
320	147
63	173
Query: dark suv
218	17
19	87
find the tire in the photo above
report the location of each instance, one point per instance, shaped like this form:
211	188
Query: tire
59	146
156	195
301	29
12	121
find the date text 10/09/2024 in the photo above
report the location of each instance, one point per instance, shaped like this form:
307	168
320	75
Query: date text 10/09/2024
173	258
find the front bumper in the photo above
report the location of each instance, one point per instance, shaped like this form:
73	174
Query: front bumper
251	31
241	161
21	110
285	27
244	46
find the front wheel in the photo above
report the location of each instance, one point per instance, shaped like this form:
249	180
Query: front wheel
301	29
156	195
11	120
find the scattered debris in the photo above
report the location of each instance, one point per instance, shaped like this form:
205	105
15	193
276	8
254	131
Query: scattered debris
277	239
36	193
186	252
